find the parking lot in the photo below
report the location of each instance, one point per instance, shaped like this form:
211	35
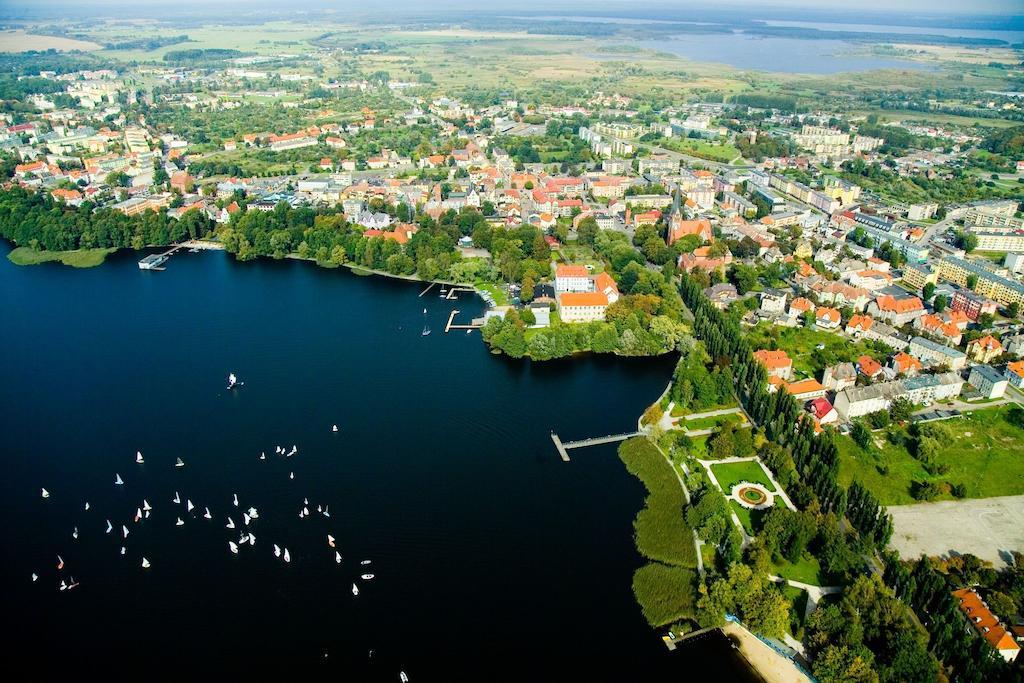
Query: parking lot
989	528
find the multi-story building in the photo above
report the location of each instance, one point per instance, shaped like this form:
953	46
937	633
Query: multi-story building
992	285
934	353
858	401
972	304
573	278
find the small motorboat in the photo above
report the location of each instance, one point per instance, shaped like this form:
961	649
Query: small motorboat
291	475
86	506
110	527
355	589
365	562
122	551
235	501
233	382
403	677
366	577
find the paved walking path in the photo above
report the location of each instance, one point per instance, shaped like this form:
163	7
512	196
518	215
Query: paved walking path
814	593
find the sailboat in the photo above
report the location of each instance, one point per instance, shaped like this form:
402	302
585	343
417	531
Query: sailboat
236	500
403	677
46	494
277	550
231	523
355	589
245	518
330	540
233	547
263	456
334	428
124	530
146	507
291	475
63	585
110	527
426	331
122	551
254	513
287	557
305	501
138	515
145	563
138	457
118	481
35	577
179	463
180	522
207	514
60	563
189	507
337	557
252	540
326	513
74	534
233	382
86	506
72	584
177	498
305	512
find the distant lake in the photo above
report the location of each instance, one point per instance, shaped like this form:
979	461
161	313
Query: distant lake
494	560
1008	36
790	55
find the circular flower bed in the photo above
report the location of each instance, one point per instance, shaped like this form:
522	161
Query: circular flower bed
753	496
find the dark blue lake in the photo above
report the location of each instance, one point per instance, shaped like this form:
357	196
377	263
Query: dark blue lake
493	560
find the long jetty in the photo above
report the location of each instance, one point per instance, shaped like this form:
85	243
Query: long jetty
564	447
452	326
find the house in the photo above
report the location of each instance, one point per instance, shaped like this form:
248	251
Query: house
869	367
805	389
773	302
605	283
572	278
1015	373
822	411
904	364
988	381
985	349
777	363
986	623
934	325
827	318
799	306
857	401
898	312
721	295
582	307
840	376
701	258
859	324
937	354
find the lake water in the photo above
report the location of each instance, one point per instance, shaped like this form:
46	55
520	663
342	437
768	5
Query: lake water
790	55
493	559
1009	36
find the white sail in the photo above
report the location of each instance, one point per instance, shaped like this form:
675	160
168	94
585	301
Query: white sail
45	494
277	550
124	530
138	457
291	475
87	505
287	557
138	514
334	428
252	540
74	534
245	518
118	480
177	498
180	522
233	547
207	514
236	500
330	540
179	463
337	557
146	506
60	562
35	577
305	501
122	550
189	506
355	589
231	523
263	456
145	563
110	527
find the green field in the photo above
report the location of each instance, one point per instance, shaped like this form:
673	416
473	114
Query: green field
732	473
801	344
985	453
806	570
750	519
711	422
80	258
721	152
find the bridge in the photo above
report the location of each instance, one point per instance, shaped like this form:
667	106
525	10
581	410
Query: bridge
563	448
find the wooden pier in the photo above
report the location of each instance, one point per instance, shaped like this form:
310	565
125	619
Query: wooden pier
454	290
428	288
564	447
452	326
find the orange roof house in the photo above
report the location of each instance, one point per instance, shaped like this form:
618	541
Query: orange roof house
904	363
828	317
868	366
778	363
859	323
985	348
986	623
805	389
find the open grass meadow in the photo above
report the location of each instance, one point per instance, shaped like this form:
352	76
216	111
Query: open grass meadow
801	343
732	473
984	452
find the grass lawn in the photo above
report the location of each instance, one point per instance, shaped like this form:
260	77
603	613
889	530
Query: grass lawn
702	149
730	474
983	452
805	570
499	293
80	258
712	422
801	344
750	519
679	411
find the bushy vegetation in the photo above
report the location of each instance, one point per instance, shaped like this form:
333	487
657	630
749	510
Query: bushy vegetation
666	594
